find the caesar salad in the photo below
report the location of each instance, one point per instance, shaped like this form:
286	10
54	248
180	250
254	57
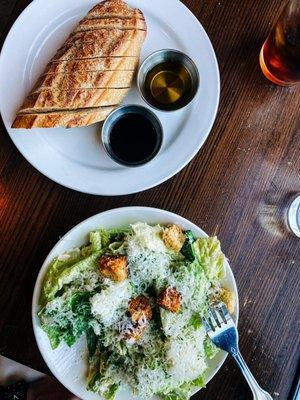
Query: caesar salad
137	294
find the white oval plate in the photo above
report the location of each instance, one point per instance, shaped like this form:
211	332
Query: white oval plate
75	158
69	364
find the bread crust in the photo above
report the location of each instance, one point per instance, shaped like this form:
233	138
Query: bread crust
114	9
62	118
88	24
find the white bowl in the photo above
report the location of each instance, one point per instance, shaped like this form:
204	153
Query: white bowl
69	365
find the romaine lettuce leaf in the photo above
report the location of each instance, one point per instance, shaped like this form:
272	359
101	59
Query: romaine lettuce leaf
195	321
57	332
65	319
188	249
102	378
57	266
59	275
110	394
99	239
210	257
184	392
209	348
118	234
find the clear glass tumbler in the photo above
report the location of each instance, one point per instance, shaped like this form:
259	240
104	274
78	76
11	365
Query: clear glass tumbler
293	216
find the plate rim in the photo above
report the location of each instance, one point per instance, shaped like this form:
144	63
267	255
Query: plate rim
45	264
142	187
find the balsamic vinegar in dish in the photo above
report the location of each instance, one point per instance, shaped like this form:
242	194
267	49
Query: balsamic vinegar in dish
133	139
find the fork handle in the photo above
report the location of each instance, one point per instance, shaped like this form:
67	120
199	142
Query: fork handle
258	392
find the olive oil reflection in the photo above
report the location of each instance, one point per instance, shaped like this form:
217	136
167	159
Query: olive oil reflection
168	85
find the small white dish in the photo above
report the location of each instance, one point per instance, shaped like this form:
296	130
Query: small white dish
69	365
74	157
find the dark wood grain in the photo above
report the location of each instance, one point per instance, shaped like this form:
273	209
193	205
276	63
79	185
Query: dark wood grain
238	186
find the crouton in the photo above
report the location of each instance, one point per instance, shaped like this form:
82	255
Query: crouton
113	267
170	299
173	237
228	298
140	309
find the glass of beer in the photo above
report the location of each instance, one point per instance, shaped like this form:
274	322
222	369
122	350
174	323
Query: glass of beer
280	54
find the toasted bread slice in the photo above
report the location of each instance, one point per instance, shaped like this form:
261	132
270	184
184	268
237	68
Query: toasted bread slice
93	64
114	9
65	118
86	80
111	23
49	100
104	47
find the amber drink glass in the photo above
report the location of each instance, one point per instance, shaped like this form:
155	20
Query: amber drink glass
280	54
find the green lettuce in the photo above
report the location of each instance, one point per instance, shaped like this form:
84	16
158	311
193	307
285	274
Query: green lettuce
210	257
118	234
60	274
111	392
195	321
102	374
65	319
184	391
99	239
188	249
102	238
209	348
57	266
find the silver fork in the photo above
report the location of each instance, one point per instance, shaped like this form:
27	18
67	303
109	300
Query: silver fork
221	329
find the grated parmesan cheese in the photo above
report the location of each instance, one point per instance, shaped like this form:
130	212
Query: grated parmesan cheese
192	286
174	323
150	381
110	304
185	356
148	237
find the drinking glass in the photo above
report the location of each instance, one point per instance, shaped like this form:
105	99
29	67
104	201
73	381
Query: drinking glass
293	216
280	54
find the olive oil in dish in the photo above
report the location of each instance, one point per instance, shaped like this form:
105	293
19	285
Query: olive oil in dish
134	139
168	85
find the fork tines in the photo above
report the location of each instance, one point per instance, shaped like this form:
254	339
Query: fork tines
217	317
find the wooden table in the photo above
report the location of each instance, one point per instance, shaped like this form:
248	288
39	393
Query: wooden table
238	186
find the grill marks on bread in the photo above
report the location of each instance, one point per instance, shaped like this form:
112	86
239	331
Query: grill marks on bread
92	64
58	118
51	99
